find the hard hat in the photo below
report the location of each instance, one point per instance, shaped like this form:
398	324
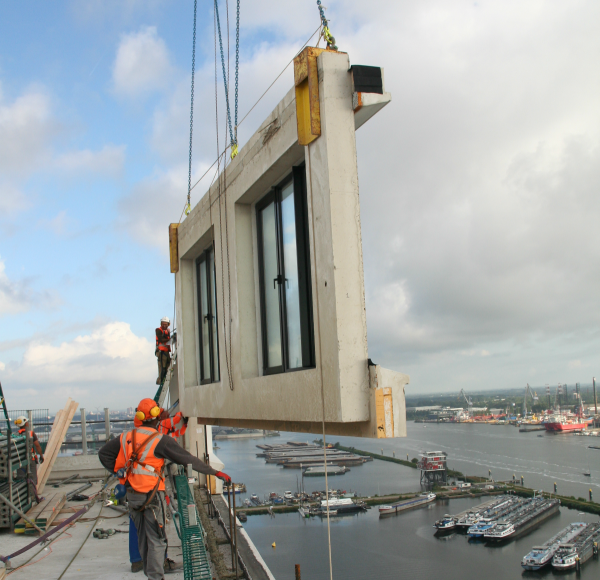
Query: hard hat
147	410
21	420
165	319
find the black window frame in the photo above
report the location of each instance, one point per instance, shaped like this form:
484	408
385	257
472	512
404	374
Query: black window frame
298	177
211	284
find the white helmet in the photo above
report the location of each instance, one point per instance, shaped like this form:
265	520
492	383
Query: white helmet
165	319
21	420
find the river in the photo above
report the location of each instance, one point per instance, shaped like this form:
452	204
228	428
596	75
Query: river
364	546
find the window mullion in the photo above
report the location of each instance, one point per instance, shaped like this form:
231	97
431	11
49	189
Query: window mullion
209	314
281	282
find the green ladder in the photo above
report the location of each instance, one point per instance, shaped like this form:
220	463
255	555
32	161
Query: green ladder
196	565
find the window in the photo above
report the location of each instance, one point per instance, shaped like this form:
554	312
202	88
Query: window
284	270
207	317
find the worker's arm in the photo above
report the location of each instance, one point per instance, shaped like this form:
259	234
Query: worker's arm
168	448
38	448
109	453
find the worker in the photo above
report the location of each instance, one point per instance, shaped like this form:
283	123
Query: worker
163	349
175	427
138	457
36	449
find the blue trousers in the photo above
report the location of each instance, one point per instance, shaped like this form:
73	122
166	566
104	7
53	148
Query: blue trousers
134	551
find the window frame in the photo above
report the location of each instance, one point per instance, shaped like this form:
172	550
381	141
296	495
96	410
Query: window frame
298	178
211	285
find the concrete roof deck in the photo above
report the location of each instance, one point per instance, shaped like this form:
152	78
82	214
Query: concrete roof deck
98	559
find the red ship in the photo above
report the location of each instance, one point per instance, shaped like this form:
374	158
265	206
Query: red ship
562	423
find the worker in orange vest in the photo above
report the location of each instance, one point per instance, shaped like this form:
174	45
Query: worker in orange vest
36	450
174	426
163	349
138	458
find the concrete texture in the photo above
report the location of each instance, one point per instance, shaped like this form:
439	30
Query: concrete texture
84	465
288	401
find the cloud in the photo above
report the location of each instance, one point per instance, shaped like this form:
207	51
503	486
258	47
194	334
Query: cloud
142	63
16	297
92	368
108	161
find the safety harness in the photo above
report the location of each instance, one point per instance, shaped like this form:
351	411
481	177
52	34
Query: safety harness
136	451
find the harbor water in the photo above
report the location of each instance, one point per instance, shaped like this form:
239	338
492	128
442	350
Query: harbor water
365	546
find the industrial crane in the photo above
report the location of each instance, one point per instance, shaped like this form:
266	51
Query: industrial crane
469	402
534	398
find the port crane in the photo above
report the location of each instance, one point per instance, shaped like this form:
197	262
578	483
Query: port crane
469	402
534	398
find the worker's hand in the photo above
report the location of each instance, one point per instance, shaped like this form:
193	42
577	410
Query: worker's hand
223	476
185	420
41	459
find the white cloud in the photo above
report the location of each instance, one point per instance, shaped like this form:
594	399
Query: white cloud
19	296
91	368
142	63
2	366
107	161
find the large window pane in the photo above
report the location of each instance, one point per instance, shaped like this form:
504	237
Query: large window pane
292	296
271	287
204	320
213	309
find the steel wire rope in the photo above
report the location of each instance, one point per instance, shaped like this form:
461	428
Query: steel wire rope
312	211
188	207
249	111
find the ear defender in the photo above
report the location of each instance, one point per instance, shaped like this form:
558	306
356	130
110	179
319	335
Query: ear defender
154	412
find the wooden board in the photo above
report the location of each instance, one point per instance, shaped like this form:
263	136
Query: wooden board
42	514
61	427
50	446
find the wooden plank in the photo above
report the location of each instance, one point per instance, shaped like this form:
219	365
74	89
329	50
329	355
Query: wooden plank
33	513
50	517
52	439
54	442
62	428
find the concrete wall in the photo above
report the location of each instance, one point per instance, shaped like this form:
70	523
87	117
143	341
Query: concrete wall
226	214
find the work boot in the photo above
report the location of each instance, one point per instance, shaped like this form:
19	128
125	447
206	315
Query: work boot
171	566
137	566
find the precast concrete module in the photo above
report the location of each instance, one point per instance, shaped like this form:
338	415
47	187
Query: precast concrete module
270	298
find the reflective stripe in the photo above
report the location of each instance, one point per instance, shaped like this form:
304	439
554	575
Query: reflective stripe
147	447
142	471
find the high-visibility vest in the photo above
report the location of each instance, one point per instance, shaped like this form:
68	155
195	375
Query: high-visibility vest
34	455
160	346
143	468
174	426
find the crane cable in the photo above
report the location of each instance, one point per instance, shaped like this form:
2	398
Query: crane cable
188	207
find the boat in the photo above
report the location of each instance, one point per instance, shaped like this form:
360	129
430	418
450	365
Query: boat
247	502
255	499
341	506
401	506
242	517
237	488
587	474
481	527
304	511
523	521
579	550
320	470
563	424
542	555
288	495
444	526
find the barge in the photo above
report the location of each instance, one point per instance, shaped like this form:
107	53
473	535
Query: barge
339	506
542	555
579	551
525	520
423	499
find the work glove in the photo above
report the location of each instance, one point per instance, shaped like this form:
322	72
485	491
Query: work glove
224	477
41	459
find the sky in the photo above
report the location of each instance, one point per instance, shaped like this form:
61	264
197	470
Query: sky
478	183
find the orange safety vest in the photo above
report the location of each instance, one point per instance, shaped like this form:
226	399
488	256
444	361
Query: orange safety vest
34	455
144	471
175	426
160	346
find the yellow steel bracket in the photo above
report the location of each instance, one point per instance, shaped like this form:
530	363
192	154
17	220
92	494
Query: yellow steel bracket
306	79
234	150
